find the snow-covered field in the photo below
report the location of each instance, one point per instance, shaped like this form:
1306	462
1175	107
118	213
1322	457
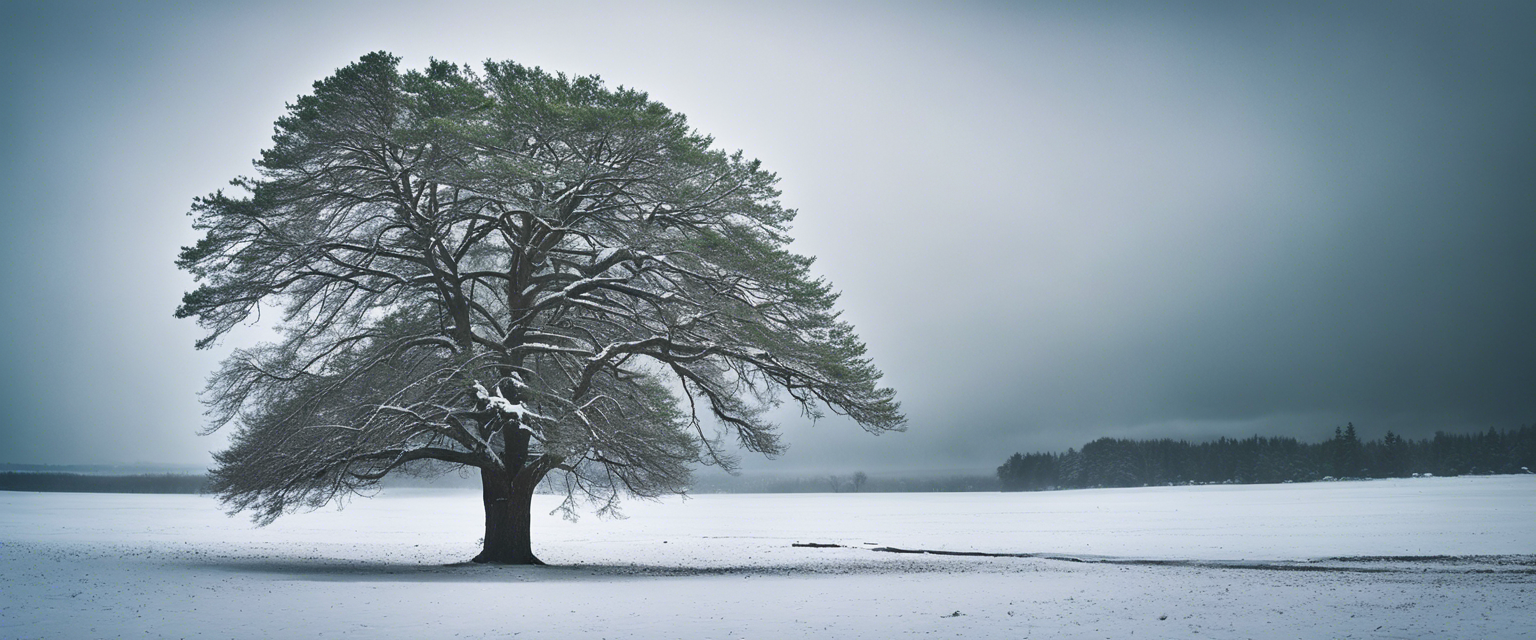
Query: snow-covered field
1442	557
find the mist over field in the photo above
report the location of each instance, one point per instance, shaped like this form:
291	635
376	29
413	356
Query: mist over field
1050	222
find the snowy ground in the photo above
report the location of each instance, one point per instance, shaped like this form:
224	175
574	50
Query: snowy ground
1442	557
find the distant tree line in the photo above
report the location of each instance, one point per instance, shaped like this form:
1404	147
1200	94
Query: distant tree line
1110	462
84	483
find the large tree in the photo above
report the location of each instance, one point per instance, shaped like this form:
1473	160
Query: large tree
538	276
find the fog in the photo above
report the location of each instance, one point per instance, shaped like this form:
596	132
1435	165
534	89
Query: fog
1051	223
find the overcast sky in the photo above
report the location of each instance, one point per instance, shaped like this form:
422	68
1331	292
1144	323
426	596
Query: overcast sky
1050	222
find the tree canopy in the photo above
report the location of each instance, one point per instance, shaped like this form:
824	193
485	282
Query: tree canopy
513	270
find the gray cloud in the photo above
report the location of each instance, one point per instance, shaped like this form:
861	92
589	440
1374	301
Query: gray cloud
1051	222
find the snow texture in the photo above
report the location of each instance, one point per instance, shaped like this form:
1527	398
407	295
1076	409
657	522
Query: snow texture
1414	558
500	404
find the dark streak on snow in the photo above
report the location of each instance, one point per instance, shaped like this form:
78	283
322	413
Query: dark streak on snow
1514	564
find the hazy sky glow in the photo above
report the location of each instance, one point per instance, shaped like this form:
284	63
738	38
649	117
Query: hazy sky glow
1051	222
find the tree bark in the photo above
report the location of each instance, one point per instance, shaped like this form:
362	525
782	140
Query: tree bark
508	514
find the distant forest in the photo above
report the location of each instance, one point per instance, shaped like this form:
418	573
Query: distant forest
79	482
1110	462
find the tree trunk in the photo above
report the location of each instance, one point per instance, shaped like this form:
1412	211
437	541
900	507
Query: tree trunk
508	514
